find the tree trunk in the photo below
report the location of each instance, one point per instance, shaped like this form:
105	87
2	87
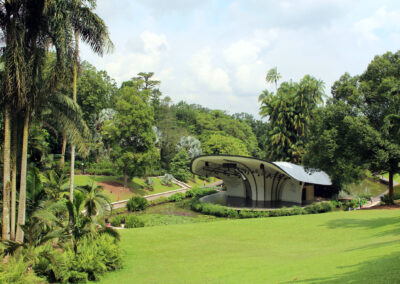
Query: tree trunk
22	186
5	235
72	174
108	150
63	148
125	178
74	87
391	185
13	179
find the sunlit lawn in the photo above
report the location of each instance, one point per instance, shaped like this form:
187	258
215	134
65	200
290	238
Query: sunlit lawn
339	247
136	186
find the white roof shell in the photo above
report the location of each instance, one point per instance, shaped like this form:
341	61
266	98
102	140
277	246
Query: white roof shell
294	171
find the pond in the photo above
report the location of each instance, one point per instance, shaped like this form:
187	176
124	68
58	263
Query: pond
367	186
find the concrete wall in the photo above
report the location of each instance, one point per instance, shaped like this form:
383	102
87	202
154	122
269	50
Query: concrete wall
290	190
235	186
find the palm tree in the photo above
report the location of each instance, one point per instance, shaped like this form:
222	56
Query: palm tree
273	77
81	225
91	29
94	202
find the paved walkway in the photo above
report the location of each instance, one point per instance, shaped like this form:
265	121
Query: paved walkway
376	200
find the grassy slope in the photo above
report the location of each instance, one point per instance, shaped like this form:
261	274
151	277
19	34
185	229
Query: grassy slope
136	185
330	248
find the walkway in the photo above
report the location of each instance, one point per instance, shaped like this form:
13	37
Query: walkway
183	188
376	200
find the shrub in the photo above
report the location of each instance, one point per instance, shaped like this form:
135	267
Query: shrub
137	203
158	201
95	256
16	271
167	180
116	220
133	222
199	192
149	183
176	197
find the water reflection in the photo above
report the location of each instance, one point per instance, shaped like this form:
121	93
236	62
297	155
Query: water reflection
222	198
368	186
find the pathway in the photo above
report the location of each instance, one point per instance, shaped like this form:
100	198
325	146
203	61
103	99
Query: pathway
376	200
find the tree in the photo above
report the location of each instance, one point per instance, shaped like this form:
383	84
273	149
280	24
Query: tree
273	77
91	29
217	144
191	145
132	133
180	166
289	113
367	112
94	201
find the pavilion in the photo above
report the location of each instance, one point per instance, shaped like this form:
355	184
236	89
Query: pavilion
252	182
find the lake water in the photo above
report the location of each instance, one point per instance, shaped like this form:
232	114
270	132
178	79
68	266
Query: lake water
367	186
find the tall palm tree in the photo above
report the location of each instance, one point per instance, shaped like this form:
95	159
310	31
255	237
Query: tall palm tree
273	77
94	202
91	29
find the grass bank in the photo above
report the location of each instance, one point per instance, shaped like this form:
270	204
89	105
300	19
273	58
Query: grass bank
359	246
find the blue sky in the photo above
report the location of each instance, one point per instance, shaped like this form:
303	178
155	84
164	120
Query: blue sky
217	53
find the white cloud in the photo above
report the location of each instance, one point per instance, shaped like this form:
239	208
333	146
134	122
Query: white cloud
210	77
368	27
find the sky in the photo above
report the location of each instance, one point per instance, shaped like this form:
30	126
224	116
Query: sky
217	53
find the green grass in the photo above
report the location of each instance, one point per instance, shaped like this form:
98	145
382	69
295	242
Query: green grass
136	186
339	247
168	214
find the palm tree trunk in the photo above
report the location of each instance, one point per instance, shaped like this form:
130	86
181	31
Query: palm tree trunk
5	235
108	150
74	87
13	179
391	185
22	187
64	146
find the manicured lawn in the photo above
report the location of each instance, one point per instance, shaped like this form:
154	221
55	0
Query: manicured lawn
339	247
136	186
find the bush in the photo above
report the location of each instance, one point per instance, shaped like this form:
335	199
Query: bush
199	192
179	196
116	220
149	183
366	196
167	180
136	203
133	222
158	201
95	256
16	271
223	211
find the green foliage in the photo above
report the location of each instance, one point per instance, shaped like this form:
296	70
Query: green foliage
219	144
180	166
95	257
223	211
17	271
167	180
131	132
96	90
137	203
131	221
198	192
158	201
149	183
289	112
176	197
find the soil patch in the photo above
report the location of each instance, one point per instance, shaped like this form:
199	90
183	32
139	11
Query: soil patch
114	187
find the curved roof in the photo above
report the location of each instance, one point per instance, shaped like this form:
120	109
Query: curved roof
294	171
